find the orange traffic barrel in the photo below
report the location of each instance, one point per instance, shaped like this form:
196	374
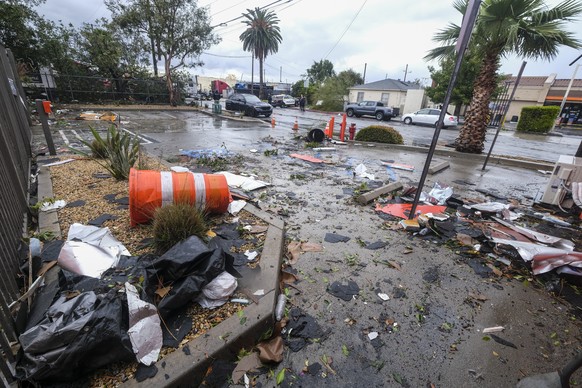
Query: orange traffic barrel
149	190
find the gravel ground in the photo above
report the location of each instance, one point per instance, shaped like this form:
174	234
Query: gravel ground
85	179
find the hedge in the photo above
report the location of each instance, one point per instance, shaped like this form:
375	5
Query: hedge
538	119
379	134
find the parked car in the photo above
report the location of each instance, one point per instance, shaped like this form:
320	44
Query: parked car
370	108
429	116
283	100
249	104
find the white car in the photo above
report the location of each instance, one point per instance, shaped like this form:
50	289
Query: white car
429	116
282	100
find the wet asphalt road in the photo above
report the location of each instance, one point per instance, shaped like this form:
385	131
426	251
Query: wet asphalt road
430	328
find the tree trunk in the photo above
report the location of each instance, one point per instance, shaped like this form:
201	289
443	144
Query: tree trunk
169	83
261	59
472	135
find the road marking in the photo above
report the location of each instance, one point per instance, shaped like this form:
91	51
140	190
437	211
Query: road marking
76	135
64	137
143	139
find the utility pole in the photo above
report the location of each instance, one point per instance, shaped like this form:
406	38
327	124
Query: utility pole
406	72
364	77
281	74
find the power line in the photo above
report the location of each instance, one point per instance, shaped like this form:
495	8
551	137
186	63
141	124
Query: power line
244	14
227	56
346	30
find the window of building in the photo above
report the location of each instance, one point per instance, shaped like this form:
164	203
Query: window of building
385	98
360	97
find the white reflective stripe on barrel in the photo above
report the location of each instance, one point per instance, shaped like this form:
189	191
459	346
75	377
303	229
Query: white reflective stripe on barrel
167	188
200	188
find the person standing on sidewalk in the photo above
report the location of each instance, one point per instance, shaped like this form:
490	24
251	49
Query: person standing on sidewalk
302	103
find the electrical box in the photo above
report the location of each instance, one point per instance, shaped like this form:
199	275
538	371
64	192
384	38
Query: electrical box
568	169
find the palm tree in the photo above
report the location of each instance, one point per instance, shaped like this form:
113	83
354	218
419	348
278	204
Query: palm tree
527	28
262	36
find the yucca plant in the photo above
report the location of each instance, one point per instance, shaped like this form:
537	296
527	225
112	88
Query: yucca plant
176	222
120	150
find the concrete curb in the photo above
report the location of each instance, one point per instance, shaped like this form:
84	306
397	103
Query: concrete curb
47	221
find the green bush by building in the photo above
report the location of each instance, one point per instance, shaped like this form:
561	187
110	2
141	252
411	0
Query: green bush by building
379	134
538	119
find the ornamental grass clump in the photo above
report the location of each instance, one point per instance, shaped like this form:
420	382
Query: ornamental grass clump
176	222
380	134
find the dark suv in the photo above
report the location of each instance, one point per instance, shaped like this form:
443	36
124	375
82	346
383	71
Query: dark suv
249	104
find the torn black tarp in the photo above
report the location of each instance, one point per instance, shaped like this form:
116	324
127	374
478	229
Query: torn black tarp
76	336
87	326
187	267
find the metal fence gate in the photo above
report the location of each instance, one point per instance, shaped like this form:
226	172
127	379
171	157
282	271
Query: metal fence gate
15	153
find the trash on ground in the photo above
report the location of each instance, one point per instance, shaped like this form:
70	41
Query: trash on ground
301	330
410	225
335	238
372	335
217	292
383	296
206	153
251	256
324	149
144	330
439	193
543	258
493	329
90	250
94	116
280	307
243	182
360	171
236	206
307	158
179	169
344	291
272	350
52	205
249	363
59	162
402	210
399	166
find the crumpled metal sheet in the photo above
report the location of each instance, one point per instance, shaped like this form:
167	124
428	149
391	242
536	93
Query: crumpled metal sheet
557	242
544	258
217	292
90	250
145	331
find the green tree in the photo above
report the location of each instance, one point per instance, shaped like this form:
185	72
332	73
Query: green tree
463	91
334	89
113	53
33	40
527	28
320	71
262	37
177	32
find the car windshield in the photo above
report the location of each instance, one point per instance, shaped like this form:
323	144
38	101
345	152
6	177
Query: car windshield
252	98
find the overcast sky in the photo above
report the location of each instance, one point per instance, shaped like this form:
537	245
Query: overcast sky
385	35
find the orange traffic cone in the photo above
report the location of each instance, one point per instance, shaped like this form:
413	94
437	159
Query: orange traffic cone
331	125
273	122
296	125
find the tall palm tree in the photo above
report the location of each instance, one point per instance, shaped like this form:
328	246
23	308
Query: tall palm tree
262	37
527	28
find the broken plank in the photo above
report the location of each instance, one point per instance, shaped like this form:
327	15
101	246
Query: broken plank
438	167
365	198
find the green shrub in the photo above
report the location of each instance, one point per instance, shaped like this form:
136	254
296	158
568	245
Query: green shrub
176	222
120	150
539	119
379	134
